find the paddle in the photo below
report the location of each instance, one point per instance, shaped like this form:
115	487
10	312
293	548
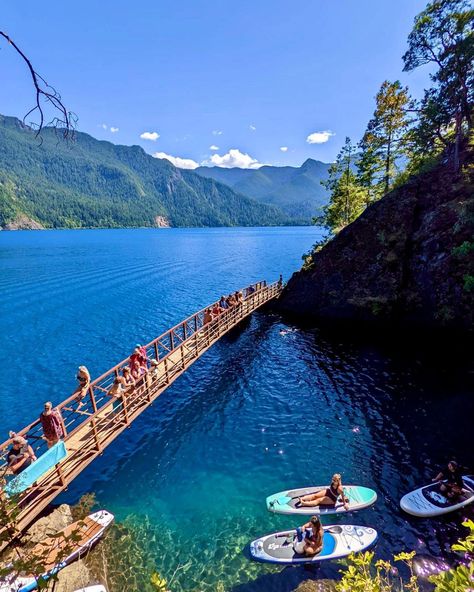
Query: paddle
332	529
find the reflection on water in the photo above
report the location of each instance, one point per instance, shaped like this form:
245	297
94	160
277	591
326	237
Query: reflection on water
269	407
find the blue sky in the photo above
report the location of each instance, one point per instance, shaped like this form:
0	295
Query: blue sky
252	76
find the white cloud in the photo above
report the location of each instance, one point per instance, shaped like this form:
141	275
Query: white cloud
234	158
181	163
104	126
114	130
252	127
217	132
319	137
153	136
213	147
284	148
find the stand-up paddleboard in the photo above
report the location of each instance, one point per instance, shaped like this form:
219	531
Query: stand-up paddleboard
286	502
338	541
430	500
52	550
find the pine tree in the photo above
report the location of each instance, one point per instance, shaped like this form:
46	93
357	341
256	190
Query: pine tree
443	36
367	169
347	199
385	139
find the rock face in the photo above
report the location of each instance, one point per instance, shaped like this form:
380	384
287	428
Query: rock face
22	222
162	222
407	261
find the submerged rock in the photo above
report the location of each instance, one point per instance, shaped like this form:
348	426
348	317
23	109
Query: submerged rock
408	260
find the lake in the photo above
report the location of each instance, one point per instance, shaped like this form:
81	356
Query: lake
271	406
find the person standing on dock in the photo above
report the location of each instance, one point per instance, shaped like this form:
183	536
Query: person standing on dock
223	303
52	424
84	379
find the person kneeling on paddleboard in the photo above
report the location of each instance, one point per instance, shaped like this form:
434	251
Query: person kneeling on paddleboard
453	485
309	538
328	496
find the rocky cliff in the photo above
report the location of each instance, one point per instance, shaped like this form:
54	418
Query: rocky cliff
407	261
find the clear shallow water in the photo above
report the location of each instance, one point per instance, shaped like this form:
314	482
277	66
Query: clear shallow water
269	407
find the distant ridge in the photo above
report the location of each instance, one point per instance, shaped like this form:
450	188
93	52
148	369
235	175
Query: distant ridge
296	190
92	183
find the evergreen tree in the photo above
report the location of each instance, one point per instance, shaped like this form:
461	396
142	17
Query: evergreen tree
367	169
347	199
443	36
385	139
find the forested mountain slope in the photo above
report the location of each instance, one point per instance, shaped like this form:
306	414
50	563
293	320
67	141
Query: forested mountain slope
91	183
296	190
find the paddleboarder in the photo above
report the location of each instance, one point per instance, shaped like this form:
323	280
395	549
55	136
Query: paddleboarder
328	496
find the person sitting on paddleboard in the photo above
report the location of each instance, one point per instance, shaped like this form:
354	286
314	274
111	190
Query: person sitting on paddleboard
452	474
328	496
309	537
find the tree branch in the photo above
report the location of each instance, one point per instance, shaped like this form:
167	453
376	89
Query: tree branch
66	120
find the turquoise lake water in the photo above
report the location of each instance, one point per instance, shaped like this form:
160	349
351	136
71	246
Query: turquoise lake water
270	406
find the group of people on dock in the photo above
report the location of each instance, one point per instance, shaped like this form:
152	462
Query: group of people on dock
225	303
21	455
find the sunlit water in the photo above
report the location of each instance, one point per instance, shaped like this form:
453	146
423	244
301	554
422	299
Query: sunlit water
270	406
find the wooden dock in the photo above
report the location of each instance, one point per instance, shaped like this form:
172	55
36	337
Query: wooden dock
90	429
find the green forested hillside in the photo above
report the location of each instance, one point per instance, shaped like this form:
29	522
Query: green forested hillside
296	190
90	183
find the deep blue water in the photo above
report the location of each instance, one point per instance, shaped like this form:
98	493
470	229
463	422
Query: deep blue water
271	406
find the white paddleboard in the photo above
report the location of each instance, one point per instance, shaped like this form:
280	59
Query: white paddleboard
430	501
87	531
338	541
286	502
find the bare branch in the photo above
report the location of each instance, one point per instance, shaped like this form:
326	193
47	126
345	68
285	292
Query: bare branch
66	121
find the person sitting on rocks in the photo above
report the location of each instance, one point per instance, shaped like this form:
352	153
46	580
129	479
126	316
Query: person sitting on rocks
20	456
52	424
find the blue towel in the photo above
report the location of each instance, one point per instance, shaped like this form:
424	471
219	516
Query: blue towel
37	469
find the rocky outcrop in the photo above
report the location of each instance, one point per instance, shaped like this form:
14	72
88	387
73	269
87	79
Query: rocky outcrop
22	222
162	222
407	261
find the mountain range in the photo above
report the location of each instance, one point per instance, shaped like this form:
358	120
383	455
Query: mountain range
50	183
47	182
295	190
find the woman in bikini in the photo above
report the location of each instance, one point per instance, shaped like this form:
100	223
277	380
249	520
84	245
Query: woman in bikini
328	496
84	379
309	538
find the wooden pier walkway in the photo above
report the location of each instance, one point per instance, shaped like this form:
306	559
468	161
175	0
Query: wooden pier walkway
90	429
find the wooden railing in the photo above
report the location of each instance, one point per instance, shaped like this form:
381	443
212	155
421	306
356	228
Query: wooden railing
93	426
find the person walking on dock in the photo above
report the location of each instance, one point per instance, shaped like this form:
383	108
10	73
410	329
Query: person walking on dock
52	424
